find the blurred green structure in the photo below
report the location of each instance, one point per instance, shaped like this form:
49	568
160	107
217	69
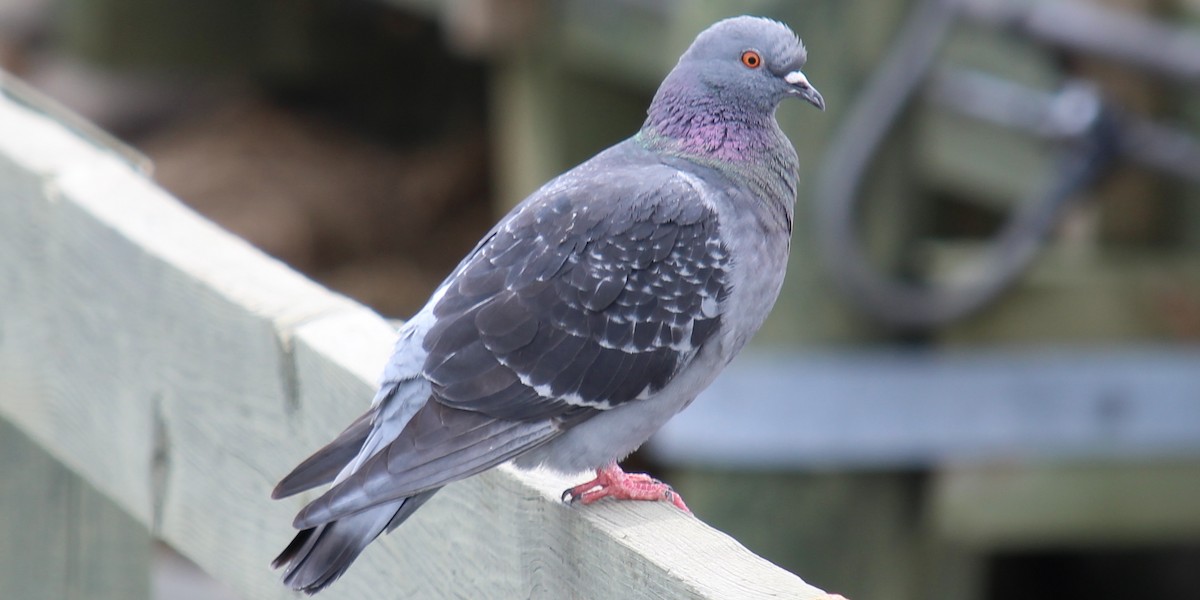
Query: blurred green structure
572	76
568	77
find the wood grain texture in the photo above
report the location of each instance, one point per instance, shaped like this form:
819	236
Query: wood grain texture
181	373
60	539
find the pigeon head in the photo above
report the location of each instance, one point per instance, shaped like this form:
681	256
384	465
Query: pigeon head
754	60
722	95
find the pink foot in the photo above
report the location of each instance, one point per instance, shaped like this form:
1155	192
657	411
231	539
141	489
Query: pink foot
612	482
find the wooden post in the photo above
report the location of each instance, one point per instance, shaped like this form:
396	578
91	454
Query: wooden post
548	118
59	537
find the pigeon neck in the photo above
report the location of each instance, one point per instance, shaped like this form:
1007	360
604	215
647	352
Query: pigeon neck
703	126
743	146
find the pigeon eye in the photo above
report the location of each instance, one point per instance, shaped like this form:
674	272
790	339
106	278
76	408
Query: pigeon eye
751	59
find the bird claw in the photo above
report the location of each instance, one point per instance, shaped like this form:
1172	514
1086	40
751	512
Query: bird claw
612	482
573	494
670	496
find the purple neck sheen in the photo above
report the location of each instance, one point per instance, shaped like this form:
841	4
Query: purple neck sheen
703	125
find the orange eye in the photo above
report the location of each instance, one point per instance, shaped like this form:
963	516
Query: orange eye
751	59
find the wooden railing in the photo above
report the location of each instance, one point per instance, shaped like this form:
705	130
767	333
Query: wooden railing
158	375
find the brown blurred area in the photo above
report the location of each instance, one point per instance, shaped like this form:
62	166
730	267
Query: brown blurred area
365	167
380	223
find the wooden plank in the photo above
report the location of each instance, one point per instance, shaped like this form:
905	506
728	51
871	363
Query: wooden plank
526	151
181	372
549	118
148	35
108	318
1190	240
864	544
1074	294
974	160
1067	504
1189	117
59	537
1136	207
881	409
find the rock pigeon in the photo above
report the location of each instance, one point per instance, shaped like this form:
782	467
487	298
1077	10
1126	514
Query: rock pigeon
588	316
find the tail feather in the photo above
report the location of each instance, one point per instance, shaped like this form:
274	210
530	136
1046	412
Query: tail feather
317	556
325	464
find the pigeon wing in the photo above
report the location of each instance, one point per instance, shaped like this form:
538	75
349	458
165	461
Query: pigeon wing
585	298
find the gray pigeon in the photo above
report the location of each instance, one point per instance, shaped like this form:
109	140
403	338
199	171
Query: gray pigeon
588	316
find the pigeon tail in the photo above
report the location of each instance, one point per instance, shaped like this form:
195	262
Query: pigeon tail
325	464
319	555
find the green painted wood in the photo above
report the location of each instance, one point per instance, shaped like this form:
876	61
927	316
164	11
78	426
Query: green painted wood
974	161
60	539
548	118
1075	294
856	532
1189	116
524	150
951	571
1067	505
145	33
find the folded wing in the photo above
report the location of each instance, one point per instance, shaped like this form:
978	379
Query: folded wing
585	298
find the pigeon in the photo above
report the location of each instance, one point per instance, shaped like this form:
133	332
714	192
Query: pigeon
597	309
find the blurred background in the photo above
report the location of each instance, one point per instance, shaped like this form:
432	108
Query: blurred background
982	380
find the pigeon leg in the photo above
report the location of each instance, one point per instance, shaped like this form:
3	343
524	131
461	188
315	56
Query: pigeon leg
612	482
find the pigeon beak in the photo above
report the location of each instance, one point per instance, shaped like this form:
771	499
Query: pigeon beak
801	87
